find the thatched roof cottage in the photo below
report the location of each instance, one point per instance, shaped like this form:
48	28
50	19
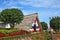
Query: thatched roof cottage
26	23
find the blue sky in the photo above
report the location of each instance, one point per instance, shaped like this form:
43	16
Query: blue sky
44	8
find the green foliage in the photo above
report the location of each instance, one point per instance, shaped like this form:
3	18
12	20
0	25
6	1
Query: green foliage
35	37
11	16
44	25
55	22
48	36
8	31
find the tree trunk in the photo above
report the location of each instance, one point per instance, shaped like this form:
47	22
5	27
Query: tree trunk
12	26
58	30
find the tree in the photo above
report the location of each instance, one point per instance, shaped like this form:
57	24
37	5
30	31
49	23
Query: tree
11	16
44	25
55	23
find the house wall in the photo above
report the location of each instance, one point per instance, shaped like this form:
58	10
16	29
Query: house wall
2	25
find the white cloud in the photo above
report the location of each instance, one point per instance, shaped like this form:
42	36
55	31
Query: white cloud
16	7
34	3
28	12
41	3
9	2
47	14
57	13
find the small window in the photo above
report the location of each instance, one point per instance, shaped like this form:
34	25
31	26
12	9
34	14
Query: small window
2	25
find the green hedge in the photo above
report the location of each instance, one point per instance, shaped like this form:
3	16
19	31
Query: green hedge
8	31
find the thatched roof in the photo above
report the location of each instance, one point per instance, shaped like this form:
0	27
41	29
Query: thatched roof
26	23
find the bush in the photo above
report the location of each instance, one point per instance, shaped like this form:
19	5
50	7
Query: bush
8	31
48	35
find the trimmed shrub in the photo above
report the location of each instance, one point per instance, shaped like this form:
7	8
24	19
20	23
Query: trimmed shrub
8	31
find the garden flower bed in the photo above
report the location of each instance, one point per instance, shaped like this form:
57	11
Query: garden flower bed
35	36
6	33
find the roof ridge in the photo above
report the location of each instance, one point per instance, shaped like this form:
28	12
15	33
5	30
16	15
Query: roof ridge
31	14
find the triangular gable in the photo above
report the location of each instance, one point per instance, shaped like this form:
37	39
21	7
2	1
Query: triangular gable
35	26
35	22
